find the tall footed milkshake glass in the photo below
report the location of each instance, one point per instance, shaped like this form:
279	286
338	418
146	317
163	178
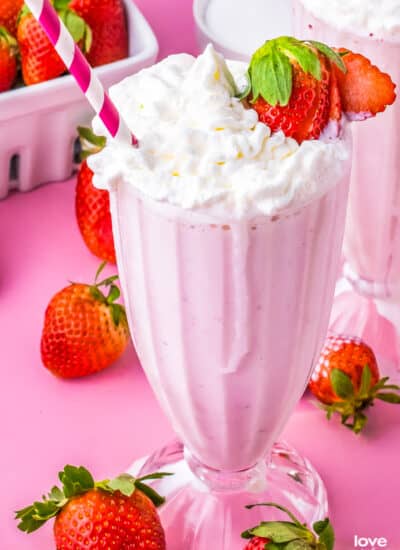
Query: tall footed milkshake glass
228	244
368	297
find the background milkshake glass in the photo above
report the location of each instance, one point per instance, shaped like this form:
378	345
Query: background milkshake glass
228	316
369	301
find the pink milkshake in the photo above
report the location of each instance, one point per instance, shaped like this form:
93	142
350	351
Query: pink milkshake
372	237
228	349
228	241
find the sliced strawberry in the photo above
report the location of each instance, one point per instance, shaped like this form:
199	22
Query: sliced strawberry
290	86
335	102
364	89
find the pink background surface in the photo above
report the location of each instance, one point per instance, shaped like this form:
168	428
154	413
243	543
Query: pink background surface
108	420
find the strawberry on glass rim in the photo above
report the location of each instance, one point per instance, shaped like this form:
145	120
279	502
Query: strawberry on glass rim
346	380
289	535
304	87
119	513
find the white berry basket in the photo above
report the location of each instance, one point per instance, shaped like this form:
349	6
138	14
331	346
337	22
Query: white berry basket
38	123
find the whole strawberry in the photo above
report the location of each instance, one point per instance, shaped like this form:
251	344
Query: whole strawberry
39	60
9	10
346	380
119	513
290	535
92	205
84	330
8	60
107	21
302	87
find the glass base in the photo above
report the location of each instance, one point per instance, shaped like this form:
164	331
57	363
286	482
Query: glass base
206	508
374	320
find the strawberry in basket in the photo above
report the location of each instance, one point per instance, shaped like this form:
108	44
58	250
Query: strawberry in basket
107	21
9	10
39	59
8	59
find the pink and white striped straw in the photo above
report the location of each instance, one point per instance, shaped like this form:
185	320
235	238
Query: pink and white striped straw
80	69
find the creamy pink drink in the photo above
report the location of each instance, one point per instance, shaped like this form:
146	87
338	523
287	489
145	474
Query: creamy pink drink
228	243
372	237
228	318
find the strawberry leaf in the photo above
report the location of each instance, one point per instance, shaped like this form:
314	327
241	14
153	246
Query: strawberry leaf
124	483
157	499
365	385
99	270
280	531
359	423
389	397
298	544
75	480
61	4
330	54
156	475
279	507
325	532
74	24
271	67
341	384
89	137
114	294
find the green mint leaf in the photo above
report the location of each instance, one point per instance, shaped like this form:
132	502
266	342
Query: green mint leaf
75	480
341	384
281	531
326	533
389	397
365	385
330	54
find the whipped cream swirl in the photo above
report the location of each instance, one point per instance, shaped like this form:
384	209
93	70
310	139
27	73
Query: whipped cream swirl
201	148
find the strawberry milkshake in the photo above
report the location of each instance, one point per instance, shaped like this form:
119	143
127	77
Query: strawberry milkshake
228	236
372	236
